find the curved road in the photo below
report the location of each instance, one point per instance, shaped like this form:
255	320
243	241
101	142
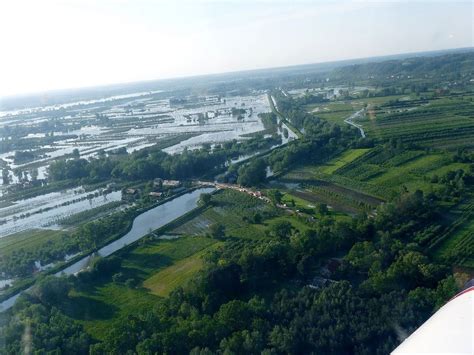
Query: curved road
351	118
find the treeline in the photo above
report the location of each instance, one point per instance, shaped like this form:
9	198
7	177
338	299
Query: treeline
86	238
152	162
321	141
443	67
392	284
252	297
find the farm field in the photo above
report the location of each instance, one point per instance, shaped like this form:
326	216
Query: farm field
334	112
27	240
166	280
323	184
233	210
456	246
345	158
440	123
382	173
459	247
307	202
149	264
160	265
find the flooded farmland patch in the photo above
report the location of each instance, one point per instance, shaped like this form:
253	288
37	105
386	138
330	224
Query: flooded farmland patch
35	137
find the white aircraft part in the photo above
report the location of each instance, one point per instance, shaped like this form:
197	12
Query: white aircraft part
449	331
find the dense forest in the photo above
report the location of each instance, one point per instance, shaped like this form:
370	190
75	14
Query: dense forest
239	301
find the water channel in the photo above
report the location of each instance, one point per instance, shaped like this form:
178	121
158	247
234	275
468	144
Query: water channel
144	223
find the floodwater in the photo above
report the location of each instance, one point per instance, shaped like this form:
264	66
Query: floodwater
77	103
7	282
136	121
8	303
48	209
142	225
145	223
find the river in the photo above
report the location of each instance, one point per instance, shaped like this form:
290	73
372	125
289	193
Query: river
152	219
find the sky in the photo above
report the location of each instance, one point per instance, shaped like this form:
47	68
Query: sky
55	44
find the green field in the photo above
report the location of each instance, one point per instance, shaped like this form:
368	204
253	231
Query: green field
28	240
166	280
459	247
456	245
231	209
444	122
335	112
343	159
441	123
380	173
324	184
150	263
307	201
348	181
338	111
89	215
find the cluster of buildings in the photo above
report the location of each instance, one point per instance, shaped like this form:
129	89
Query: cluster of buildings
326	272
161	188
257	194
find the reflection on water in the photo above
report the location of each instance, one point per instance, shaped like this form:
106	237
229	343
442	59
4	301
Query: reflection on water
7	282
145	223
142	225
46	210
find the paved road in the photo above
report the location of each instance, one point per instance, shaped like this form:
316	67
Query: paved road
350	119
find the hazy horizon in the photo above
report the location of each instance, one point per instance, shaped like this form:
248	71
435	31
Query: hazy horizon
71	44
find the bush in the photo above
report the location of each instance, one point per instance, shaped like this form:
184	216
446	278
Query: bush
118	277
131	283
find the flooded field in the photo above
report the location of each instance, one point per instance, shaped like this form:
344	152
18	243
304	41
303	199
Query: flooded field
145	223
130	122
33	138
48	209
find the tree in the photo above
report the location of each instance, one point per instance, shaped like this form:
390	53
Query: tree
304	266
104	267
217	230
275	195
257	218
323	209
253	173
18	173
233	315
5	177
205	199
52	290
118	277
131	283
281	229
34	174
75	153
